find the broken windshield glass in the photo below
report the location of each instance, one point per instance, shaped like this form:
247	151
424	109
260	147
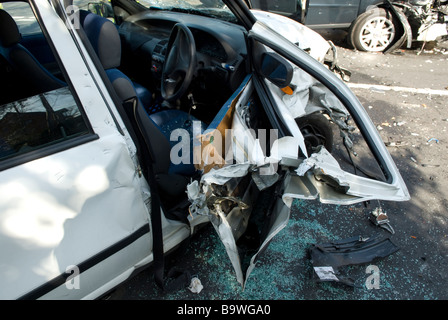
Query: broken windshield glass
209	8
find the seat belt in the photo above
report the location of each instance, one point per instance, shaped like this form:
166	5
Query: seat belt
179	277
156	226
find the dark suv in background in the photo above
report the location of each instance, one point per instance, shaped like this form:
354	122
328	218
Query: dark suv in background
372	25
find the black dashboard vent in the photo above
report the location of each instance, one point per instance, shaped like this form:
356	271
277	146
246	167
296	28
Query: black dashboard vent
161	47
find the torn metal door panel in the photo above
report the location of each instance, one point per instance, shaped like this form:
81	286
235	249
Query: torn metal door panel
217	197
231	217
276	222
228	195
327	94
320	176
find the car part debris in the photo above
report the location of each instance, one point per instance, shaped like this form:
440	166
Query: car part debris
308	40
426	165
327	258
195	285
379	218
427	19
403	29
433	139
334	66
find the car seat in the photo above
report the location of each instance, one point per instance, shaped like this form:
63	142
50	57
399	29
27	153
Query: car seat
105	40
36	78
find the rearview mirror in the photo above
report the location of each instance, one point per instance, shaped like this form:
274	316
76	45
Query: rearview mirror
276	69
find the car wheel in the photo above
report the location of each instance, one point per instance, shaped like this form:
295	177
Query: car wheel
316	130
372	31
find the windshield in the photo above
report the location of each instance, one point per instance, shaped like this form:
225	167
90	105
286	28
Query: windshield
210	8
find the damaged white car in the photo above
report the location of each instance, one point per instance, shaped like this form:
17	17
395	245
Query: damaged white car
120	136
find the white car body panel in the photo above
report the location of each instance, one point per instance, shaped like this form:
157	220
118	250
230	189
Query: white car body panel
60	210
297	33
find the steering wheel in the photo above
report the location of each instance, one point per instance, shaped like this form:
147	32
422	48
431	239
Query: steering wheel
180	63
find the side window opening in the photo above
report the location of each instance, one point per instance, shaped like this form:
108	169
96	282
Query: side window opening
37	107
23	16
38	121
27	62
324	122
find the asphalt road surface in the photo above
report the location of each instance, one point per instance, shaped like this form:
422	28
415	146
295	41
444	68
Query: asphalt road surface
406	96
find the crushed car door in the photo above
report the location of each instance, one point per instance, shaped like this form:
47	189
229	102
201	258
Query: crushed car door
318	124
317	92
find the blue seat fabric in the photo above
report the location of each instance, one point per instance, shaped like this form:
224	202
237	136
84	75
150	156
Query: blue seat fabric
105	40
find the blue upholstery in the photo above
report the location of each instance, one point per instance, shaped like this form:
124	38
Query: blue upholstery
21	60
107	45
105	40
170	120
143	94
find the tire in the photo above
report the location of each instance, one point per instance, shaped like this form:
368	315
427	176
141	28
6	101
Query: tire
316	130
372	31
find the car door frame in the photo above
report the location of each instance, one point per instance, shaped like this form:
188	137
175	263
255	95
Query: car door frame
265	35
393	189
303	60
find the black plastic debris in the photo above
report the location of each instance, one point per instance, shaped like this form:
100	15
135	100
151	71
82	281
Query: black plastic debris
327	258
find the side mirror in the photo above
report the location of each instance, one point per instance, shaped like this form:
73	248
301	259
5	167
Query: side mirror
276	69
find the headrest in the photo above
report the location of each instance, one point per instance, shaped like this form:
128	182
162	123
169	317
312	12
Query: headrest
9	33
104	37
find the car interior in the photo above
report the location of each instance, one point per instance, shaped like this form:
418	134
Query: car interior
181	69
19	64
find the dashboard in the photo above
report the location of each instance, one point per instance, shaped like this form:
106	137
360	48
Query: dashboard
220	51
